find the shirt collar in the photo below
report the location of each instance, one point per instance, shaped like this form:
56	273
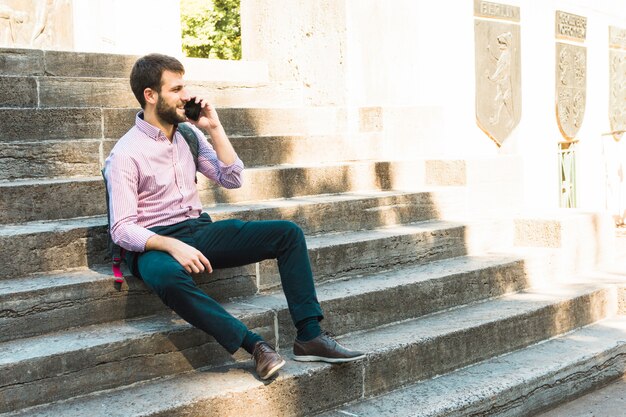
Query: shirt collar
150	130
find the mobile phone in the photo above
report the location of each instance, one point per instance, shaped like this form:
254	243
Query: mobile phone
192	109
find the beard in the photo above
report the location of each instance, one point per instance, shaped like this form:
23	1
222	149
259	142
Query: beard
168	114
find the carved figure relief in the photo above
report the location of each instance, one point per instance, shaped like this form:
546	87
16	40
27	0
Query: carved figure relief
36	24
617	95
571	88
498	78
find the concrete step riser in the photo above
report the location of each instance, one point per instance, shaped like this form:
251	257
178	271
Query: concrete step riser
32	313
65	307
413	300
33	201
474	345
65	376
34	62
551	390
389	306
56	250
33	92
384	371
339	261
57	159
95	123
78	158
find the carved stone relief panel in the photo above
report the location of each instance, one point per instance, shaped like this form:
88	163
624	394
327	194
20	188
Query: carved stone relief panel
617	81
42	24
498	69
571	88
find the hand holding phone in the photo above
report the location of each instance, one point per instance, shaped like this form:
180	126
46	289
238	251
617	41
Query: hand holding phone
193	109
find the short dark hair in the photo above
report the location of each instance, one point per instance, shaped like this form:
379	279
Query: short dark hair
147	72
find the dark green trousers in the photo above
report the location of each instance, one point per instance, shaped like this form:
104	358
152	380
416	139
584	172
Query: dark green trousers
228	243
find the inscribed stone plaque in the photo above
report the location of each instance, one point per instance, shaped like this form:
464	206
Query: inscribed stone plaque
571	88
617	37
41	24
570	26
498	77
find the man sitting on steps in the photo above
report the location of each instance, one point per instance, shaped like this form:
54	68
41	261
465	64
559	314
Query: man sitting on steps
156	215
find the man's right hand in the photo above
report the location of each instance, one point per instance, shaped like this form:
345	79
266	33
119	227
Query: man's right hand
189	257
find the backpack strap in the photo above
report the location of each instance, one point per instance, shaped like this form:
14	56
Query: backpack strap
192	140
117	253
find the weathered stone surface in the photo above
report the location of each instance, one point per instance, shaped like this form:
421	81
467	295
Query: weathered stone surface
25	201
42	124
478	333
39	246
286	182
520	383
277	150
339	255
21	62
81	64
116	122
289	121
52	248
37	305
18	92
43	370
404	292
409	350
85	92
19	160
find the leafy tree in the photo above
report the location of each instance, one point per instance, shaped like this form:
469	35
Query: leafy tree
211	28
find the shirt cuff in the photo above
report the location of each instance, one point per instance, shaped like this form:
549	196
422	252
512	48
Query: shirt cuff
236	167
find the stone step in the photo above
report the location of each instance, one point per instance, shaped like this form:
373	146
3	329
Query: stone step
65	246
34	62
19	124
521	383
56	245
47	199
42	91
398	354
353	305
45	303
85	157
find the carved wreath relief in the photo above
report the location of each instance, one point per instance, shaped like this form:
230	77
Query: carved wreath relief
498	70
571	88
617	80
36	24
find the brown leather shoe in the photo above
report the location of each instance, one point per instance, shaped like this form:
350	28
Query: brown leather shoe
266	360
324	348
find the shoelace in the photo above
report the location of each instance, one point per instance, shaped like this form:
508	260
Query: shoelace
329	334
262	348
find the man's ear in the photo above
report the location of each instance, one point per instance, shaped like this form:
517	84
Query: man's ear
150	95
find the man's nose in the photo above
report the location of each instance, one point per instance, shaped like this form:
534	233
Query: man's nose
184	95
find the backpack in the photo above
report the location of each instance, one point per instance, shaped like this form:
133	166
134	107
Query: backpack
117	253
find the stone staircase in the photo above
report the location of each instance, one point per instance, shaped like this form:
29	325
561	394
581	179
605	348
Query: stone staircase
449	329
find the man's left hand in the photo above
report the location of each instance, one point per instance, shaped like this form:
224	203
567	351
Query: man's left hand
208	119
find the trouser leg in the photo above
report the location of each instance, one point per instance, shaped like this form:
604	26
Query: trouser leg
230	243
176	288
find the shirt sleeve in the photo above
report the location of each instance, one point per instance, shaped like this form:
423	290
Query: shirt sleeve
228	176
122	183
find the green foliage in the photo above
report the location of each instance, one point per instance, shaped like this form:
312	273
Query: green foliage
211	28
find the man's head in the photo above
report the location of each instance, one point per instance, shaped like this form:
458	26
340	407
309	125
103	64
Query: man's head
148	73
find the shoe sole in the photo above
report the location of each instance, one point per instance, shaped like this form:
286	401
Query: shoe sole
311	358
272	371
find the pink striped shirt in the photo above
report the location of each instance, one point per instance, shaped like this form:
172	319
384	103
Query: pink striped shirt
151	182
